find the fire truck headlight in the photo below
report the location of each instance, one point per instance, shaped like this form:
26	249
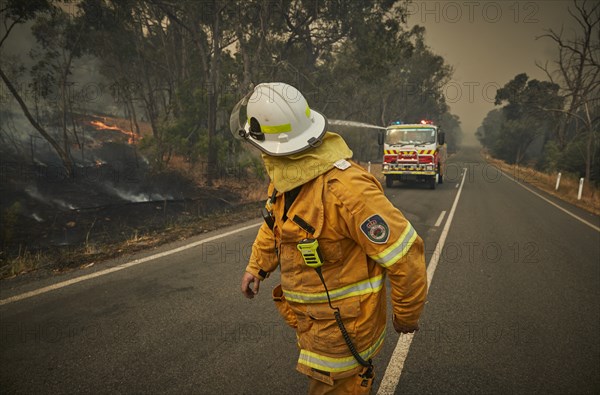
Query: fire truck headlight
429	167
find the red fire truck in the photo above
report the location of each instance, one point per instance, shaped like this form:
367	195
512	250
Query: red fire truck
413	151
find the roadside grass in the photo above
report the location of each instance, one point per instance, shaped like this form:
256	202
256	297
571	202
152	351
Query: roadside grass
24	262
67	258
567	191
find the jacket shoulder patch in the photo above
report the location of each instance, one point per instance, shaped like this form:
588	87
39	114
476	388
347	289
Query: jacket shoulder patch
342	164
376	229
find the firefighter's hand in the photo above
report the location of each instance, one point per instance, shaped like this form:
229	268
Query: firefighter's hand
247	280
403	328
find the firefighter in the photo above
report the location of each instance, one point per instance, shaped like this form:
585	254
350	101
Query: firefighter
335	237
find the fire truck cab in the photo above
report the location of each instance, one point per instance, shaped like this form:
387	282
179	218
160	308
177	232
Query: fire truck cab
413	151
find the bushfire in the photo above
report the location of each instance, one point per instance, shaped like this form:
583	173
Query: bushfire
99	125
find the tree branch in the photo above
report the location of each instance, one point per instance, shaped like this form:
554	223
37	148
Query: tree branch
15	22
68	164
563	112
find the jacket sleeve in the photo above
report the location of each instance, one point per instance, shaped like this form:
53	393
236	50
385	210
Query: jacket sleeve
386	237
263	259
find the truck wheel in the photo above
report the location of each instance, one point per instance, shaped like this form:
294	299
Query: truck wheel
389	181
432	182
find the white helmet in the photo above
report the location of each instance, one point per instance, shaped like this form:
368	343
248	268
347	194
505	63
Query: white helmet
279	121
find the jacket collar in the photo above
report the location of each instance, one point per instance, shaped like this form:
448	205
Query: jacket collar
289	172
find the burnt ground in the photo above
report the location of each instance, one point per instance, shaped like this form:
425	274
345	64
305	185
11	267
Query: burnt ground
57	224
73	221
113	204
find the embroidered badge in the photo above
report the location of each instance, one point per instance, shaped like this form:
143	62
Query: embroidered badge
376	229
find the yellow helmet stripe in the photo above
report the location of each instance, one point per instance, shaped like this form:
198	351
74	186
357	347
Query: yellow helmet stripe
267	129
284	128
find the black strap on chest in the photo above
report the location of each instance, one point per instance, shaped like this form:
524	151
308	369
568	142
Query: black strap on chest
267	214
303	224
289	197
288	200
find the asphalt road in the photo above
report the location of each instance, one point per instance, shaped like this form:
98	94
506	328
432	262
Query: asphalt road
514	306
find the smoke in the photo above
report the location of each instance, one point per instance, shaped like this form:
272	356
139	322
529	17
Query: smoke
34	193
139	197
87	90
37	217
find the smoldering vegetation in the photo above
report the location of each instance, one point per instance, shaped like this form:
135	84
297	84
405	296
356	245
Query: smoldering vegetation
112	195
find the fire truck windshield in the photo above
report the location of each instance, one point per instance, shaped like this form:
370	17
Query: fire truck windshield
410	136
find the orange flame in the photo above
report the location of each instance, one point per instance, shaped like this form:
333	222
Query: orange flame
102	126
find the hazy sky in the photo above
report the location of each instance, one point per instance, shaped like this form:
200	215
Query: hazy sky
488	43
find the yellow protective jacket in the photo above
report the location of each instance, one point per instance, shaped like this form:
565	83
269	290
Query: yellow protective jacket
362	238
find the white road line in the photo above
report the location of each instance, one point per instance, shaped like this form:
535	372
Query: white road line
120	267
554	204
440	219
394	370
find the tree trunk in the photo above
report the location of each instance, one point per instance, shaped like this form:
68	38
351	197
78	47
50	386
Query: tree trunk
64	109
590	144
64	156
213	95
246	60
383	110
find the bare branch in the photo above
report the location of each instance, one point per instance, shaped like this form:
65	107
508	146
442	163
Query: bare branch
544	68
68	164
581	22
559	110
15	22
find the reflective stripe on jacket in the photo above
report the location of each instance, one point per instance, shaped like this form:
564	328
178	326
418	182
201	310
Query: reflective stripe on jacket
363	239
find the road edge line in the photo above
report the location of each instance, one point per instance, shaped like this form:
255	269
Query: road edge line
122	266
392	374
596	228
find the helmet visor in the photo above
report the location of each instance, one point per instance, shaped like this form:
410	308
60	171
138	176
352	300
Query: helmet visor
238	117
